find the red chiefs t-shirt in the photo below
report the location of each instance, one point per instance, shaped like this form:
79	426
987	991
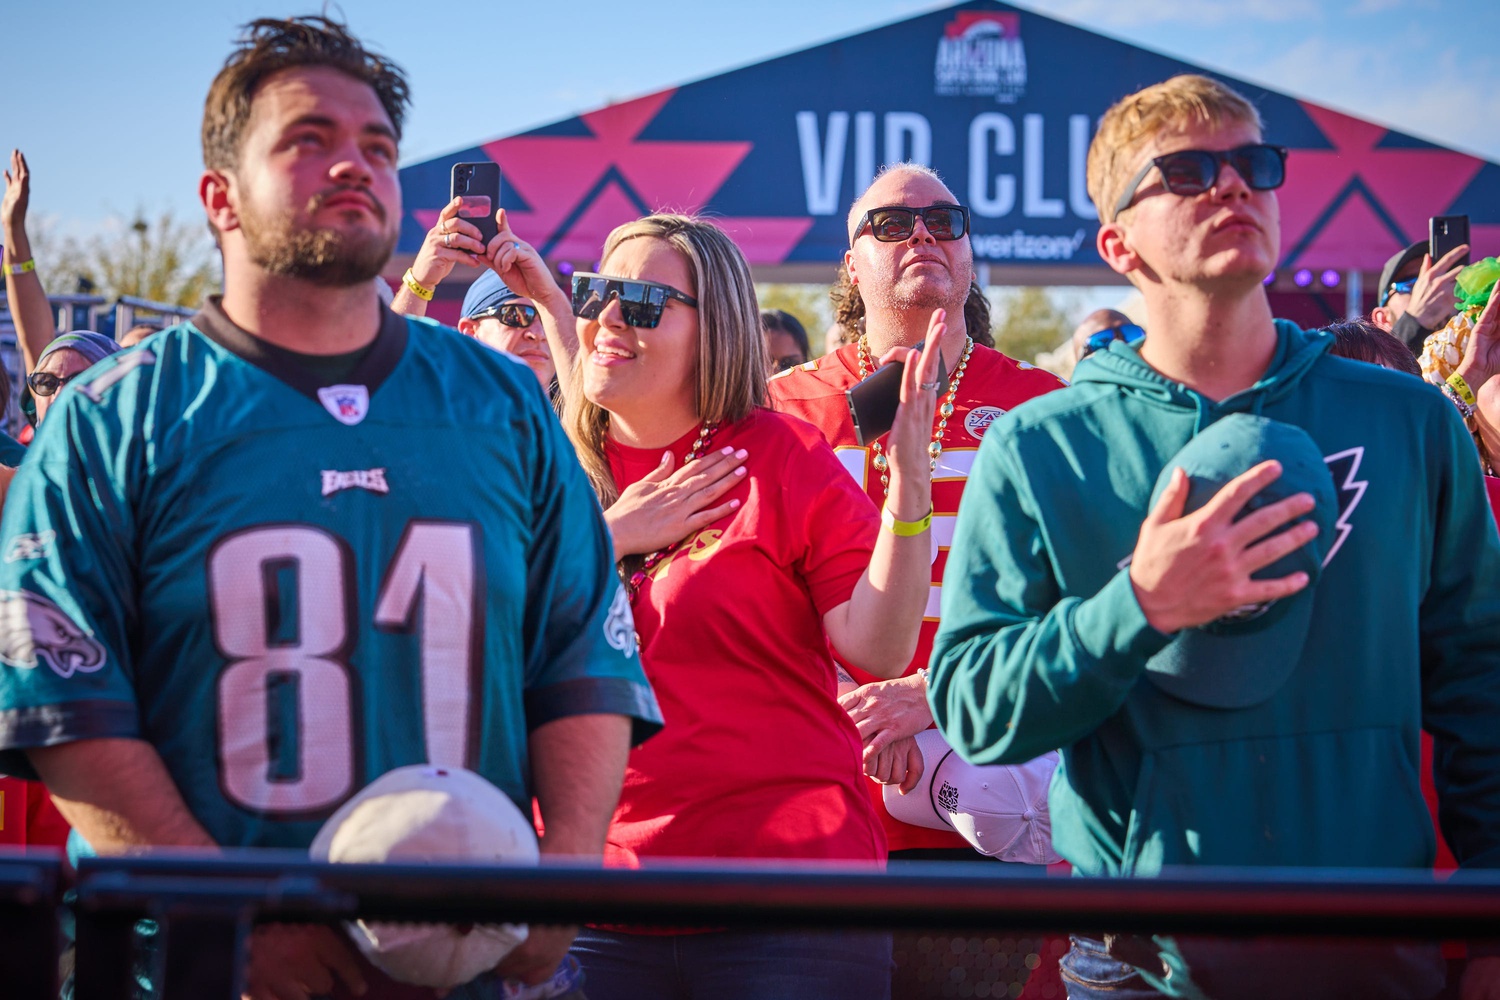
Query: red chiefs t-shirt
756	759
27	816
991	385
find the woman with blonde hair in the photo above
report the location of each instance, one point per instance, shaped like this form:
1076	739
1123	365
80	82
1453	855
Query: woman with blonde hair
783	555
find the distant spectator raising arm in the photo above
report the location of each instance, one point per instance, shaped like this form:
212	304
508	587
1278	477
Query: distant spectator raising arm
23	286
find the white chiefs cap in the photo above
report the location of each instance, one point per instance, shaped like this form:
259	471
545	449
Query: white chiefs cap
1000	809
426	813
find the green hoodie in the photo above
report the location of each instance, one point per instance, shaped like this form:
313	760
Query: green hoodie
1043	643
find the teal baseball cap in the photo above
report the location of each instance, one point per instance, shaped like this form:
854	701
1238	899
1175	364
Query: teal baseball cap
1243	658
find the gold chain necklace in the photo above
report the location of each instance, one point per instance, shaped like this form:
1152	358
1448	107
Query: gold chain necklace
639	577
935	449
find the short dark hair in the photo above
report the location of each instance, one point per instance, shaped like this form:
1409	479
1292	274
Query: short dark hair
1362	340
849	310
269	45
781	321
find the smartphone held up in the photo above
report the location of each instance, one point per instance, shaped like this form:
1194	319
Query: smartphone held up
477	186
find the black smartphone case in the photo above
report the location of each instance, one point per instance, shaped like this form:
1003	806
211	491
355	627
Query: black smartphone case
478	184
1444	232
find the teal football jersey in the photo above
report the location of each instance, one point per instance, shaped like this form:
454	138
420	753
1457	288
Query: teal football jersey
291	588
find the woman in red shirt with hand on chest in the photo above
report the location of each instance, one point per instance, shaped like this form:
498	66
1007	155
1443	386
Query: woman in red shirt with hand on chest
734	620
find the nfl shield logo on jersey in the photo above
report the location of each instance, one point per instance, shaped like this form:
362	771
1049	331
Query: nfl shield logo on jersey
347	403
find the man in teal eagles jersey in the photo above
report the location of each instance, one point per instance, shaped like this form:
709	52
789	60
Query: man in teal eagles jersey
1072	601
300	541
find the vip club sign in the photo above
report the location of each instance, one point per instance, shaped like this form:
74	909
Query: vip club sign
1001	102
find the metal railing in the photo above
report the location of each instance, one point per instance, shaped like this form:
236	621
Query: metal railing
29	890
207	907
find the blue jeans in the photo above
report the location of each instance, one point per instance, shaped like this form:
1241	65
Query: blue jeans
1228	969
731	965
1091	973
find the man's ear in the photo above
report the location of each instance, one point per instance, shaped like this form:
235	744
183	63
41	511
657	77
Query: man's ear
1381	316
468	327
215	191
1113	244
849	267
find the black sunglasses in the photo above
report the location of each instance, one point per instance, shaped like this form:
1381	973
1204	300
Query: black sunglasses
1193	171
1128	332
511	314
641	302
896	223
46	383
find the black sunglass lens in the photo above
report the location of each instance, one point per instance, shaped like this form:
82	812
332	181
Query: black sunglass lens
944	223
1261	166
517	316
1188	172
641	305
44	383
891	224
588	296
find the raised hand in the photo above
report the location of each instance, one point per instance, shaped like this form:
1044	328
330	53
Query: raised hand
668	506
522	268
17	198
1432	295
1194	569
1481	361
450	242
906	447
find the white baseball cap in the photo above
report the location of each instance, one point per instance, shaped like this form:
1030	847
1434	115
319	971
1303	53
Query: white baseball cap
1000	809
426	813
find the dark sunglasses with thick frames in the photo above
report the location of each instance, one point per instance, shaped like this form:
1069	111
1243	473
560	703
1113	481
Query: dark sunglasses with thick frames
47	384
511	314
1128	332
896	223
1189	172
641	302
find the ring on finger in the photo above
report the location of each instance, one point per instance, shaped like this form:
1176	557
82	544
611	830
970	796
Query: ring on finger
448	240
928	386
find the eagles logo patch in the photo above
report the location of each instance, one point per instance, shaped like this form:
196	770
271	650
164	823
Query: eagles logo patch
33	629
619	624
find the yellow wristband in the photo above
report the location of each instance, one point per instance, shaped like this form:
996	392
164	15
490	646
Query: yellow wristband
418	289
904	529
1462	388
23	267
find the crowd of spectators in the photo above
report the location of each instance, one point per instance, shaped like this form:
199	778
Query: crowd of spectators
618	546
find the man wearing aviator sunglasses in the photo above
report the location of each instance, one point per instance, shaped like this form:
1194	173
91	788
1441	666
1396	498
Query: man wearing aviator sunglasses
496	316
1207	650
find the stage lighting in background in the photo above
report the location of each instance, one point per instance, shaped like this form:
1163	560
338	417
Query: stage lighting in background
1302	278
1330	278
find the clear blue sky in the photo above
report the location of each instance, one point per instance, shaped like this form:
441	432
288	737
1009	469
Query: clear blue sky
105	98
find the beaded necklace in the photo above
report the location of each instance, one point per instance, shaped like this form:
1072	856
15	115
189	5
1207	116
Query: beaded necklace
935	449
639	577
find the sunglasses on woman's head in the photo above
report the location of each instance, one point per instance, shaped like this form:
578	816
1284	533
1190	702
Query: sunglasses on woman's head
896	223
46	383
1193	171
641	302
511	314
1128	332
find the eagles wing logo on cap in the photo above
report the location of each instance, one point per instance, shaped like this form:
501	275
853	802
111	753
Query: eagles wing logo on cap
33	629
347	403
